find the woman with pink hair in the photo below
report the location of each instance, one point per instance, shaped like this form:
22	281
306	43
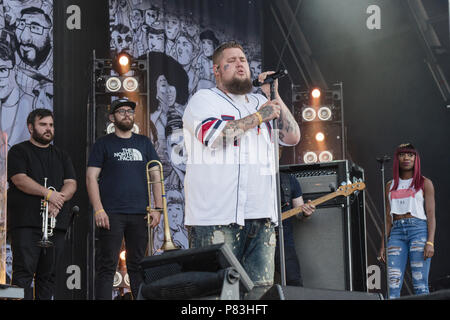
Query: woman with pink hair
410	223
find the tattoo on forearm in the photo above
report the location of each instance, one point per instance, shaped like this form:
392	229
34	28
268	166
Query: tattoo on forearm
236	128
287	124
266	111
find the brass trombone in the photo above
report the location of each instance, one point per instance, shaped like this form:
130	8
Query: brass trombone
168	243
48	223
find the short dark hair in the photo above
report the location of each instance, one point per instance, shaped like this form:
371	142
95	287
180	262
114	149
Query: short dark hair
151	30
39	113
141	12
209	34
35	10
227	45
6	54
120	28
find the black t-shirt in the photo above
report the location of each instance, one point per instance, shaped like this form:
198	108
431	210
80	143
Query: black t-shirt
37	163
123	179
295	190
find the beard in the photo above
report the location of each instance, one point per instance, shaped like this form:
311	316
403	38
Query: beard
41	54
124	126
239	86
41	138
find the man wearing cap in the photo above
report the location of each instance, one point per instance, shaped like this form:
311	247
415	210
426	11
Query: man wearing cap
117	186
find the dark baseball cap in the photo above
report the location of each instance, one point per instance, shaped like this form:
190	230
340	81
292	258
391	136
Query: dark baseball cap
121	102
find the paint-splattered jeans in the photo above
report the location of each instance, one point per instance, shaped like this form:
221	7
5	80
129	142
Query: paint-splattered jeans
253	245
407	239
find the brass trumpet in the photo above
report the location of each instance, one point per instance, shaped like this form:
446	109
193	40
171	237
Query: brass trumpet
168	243
48	223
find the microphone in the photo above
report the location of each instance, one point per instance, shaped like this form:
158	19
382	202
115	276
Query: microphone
75	209
270	78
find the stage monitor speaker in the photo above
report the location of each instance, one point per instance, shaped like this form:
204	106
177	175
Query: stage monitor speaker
278	292
331	244
209	272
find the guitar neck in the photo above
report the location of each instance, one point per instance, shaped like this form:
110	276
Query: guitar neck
315	202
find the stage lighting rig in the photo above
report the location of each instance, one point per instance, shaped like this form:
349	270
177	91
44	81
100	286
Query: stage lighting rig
120	75
319	113
315	93
122	63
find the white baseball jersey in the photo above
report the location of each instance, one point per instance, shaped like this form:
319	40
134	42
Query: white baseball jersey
232	182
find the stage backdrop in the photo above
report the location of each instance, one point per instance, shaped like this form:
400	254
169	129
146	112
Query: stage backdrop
181	37
26	68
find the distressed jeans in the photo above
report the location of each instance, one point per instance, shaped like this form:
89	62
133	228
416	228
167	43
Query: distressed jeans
407	240
252	244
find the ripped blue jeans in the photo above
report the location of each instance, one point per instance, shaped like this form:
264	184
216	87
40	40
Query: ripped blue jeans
252	244
407	240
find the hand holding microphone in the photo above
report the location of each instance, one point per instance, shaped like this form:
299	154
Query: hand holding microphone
266	78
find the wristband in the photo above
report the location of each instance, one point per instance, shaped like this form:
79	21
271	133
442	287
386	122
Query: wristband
259	118
98	211
430	243
48	194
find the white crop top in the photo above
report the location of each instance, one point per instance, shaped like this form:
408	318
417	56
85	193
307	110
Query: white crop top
406	199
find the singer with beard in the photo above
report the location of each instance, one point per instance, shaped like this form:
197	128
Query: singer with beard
230	187
29	162
117	186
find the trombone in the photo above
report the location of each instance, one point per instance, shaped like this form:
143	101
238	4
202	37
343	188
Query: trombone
48	223
168	243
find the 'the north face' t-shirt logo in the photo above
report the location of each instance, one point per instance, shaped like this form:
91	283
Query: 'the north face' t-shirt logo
128	154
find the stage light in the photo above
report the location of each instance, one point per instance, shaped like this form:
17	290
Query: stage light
325	156
310	157
117	279
122	63
309	114
113	84
126	279
324	113
130	84
315	93
320	136
123	255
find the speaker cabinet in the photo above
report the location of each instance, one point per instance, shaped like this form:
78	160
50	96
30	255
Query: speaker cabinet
322	247
331	244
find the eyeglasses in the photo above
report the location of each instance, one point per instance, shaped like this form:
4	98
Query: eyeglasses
34	27
4	72
123	111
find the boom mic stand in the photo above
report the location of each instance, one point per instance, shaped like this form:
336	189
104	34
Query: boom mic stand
382	161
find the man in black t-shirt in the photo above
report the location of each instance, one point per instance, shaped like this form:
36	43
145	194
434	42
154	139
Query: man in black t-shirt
117	186
291	197
31	164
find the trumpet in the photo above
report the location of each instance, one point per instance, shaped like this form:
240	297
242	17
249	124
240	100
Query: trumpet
168	243
48	223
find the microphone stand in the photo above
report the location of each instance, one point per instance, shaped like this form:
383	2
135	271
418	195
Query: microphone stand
382	160
277	179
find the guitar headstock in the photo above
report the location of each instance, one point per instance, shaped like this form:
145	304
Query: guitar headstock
348	189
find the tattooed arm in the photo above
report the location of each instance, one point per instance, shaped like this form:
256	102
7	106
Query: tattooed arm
289	131
236	128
